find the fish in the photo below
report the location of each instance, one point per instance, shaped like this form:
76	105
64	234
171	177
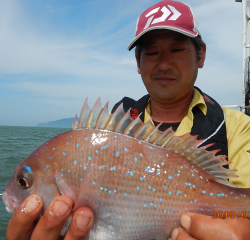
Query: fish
137	180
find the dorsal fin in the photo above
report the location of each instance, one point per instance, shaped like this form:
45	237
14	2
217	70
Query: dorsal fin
93	115
84	114
186	145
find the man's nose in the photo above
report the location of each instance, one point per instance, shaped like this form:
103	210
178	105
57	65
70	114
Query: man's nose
165	62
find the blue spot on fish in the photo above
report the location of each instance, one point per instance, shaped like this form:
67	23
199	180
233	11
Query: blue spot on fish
101	167
170	193
191	202
64	153
185	195
149	187
125	194
86	138
85	167
77	145
81	179
162	163
137	210
138	188
36	153
169	177
117	154
61	169
178	193
125	149
141	178
68	170
67	143
131	173
211	194
53	148
178	174
28	168
46	168
51	157
96	151
112	168
154	190
75	162
167	154
203	191
141	154
115	191
110	191
115	136
145	205
62	175
194	186
150	147
135	159
164	186
160	199
90	158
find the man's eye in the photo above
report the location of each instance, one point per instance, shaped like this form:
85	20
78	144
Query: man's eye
177	49
151	53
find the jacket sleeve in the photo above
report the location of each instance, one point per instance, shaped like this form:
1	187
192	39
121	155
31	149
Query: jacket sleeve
238	135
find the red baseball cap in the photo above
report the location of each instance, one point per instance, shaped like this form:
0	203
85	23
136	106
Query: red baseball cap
166	14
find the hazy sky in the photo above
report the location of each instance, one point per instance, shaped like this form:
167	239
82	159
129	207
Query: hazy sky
54	54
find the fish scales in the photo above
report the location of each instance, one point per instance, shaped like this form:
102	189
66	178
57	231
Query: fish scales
136	188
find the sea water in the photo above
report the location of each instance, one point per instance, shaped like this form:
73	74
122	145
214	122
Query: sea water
16	143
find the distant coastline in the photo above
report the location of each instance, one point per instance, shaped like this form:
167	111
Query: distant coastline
62	123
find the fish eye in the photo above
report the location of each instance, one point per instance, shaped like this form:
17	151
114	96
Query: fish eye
24	178
23	182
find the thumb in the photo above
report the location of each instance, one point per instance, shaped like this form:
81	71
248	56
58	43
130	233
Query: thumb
206	228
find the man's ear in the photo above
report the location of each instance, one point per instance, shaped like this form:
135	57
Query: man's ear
202	57
138	65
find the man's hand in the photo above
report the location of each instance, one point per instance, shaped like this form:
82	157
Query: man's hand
202	227
21	225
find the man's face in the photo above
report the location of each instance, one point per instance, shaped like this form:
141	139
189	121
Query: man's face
169	65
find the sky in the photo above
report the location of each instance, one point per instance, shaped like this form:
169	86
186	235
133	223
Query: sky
54	54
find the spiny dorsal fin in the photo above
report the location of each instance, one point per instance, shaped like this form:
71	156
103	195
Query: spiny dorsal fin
84	114
93	115
102	118
185	146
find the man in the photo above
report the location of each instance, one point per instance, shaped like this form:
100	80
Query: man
169	52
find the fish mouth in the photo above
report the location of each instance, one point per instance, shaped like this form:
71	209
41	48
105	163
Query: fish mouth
9	203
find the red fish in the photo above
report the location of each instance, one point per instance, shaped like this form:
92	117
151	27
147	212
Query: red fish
136	179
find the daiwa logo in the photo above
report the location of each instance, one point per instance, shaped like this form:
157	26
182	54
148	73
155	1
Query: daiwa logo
165	15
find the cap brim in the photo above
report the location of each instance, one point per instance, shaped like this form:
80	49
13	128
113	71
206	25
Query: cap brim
180	30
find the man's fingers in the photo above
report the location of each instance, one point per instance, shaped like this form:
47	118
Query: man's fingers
81	224
22	221
205	227
51	223
179	233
